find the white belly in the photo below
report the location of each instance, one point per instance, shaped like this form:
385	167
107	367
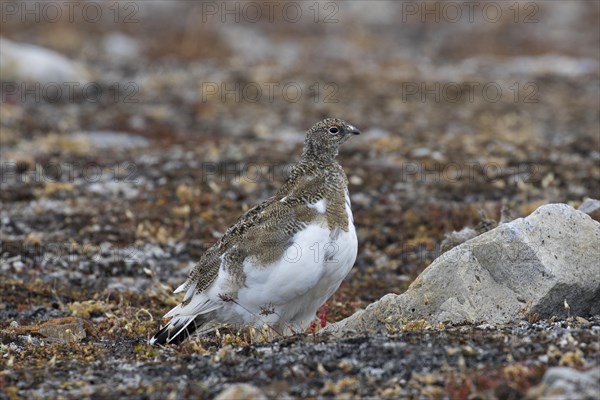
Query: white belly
295	287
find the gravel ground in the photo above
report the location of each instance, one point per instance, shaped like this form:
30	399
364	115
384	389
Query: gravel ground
445	361
108	197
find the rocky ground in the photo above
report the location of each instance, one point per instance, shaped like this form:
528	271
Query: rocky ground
111	191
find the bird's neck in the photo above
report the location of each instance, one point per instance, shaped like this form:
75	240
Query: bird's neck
309	167
319	154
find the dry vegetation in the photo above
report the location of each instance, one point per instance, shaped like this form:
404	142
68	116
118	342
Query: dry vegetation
89	259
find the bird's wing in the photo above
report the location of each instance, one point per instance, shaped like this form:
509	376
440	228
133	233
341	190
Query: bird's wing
206	270
262	233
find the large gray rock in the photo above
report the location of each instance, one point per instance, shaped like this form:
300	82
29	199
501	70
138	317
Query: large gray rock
531	266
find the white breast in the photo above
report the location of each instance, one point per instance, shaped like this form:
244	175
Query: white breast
310	271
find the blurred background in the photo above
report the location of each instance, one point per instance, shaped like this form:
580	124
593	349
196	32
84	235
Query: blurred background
134	133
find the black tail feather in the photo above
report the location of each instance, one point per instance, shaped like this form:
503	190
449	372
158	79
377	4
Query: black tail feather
169	333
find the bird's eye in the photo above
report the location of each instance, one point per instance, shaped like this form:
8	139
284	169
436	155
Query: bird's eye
333	129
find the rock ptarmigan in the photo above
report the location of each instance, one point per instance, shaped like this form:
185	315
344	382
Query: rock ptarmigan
283	258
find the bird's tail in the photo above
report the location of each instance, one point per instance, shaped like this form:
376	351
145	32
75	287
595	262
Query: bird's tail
176	331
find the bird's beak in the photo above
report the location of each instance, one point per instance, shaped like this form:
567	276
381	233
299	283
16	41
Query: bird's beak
353	130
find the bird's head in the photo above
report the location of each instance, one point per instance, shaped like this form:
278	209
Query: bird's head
324	138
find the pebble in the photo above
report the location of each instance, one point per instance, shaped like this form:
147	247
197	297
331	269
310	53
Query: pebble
241	391
64	330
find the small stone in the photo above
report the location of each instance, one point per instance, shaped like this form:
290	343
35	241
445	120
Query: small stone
241	391
18	265
421	152
592	208
356	180
469	351
455	238
452	350
64	329
582	320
